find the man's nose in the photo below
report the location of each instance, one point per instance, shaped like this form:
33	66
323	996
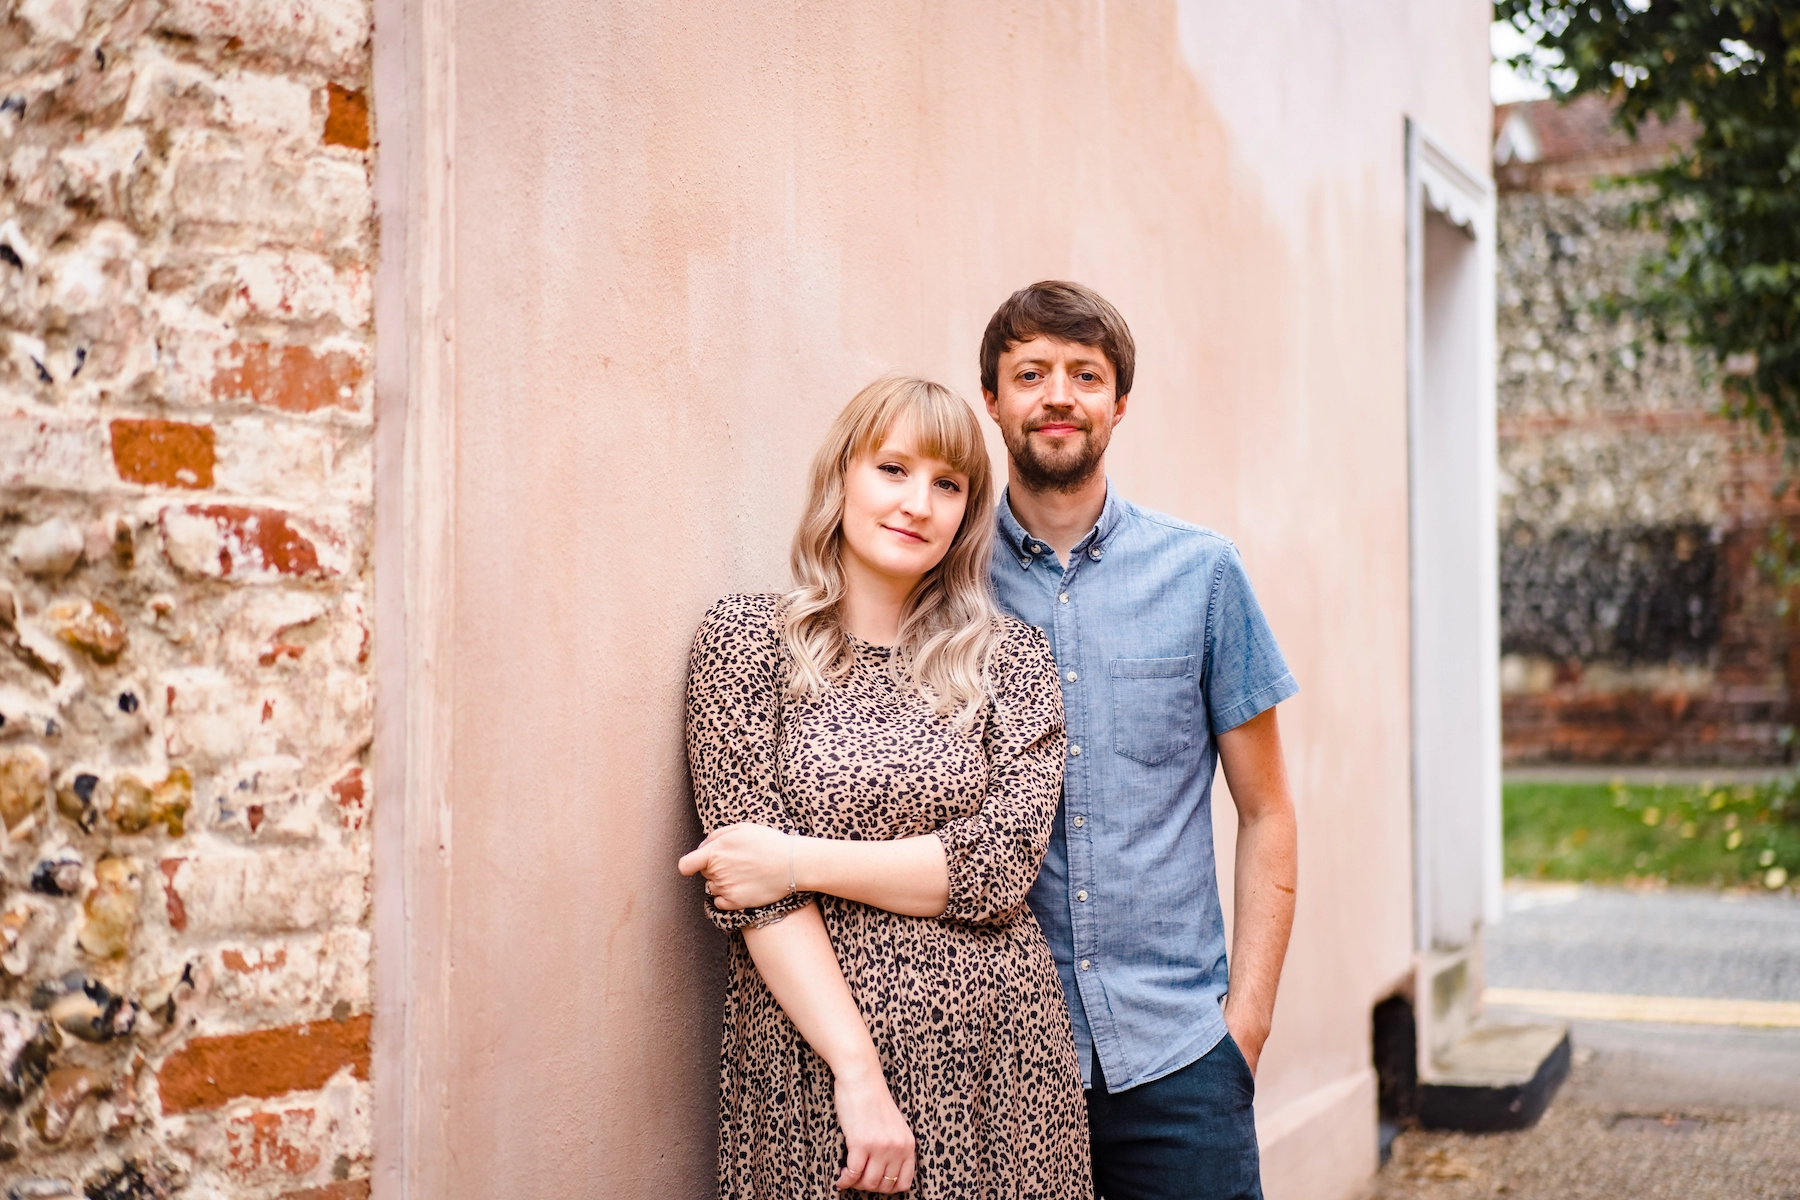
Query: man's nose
1060	392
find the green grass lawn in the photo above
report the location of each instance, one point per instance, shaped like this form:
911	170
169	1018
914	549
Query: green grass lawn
1615	833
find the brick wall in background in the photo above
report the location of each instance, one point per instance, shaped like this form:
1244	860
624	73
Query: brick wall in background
1636	626
186	242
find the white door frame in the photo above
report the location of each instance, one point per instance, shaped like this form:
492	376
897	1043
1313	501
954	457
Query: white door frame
1438	184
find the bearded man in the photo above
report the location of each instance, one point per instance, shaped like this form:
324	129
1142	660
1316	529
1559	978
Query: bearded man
1167	668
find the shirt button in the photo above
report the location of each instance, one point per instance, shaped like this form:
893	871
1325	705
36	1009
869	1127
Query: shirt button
1085	964
1080	821
1094	554
1081	896
1075	750
1073	677
1064	597
1024	562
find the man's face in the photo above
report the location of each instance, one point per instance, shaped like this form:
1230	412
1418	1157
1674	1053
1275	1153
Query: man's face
1056	409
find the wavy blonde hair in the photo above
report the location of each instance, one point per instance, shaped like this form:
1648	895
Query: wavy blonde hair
950	624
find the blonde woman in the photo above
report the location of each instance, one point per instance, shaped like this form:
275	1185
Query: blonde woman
877	757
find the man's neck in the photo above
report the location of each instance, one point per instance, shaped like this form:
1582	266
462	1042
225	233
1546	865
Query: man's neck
1059	519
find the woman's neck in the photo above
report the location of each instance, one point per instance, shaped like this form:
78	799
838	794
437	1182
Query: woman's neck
873	603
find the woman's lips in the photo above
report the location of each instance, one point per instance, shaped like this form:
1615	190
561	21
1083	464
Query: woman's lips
905	533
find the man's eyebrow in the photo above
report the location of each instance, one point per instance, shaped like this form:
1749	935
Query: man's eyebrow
1099	361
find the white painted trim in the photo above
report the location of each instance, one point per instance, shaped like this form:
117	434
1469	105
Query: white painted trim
415	459
1438	181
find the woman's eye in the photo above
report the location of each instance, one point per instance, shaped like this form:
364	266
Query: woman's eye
891	469
949	485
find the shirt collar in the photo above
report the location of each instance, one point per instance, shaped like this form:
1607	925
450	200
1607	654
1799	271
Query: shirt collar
1025	547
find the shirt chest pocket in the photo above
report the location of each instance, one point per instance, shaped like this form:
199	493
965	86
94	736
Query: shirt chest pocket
1156	705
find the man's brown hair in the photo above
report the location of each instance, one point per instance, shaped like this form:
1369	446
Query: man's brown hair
1068	312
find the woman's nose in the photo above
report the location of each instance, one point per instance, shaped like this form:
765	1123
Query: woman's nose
916	501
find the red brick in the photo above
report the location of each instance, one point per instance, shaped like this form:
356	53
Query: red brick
253	539
289	378
349	1189
346	118
208	1073
163	453
351	799
264	1141
172	898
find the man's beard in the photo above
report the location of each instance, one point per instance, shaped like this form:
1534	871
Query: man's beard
1069	471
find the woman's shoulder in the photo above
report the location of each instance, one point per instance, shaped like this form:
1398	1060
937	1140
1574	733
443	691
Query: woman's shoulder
740	621
1020	646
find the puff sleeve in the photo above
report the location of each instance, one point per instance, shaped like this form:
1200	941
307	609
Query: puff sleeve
735	678
994	853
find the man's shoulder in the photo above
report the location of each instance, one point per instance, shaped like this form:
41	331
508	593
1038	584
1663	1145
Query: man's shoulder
1173	535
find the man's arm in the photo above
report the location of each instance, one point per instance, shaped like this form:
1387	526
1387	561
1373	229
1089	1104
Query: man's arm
1267	866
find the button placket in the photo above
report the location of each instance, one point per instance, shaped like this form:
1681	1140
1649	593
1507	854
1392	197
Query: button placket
1075	792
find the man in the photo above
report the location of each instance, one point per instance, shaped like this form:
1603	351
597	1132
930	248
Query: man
1167	667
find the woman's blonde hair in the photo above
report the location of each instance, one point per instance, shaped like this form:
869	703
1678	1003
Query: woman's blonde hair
950	624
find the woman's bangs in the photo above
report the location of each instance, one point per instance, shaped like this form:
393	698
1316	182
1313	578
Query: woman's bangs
941	424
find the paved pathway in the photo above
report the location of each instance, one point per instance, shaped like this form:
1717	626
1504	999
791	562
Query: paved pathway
1692	1110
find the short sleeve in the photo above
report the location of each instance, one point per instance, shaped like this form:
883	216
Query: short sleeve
734	687
993	854
1245	673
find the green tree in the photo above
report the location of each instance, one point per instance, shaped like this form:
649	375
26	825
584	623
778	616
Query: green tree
1728	277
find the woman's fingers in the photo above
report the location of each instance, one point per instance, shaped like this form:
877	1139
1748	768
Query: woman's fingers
694	860
906	1173
855	1162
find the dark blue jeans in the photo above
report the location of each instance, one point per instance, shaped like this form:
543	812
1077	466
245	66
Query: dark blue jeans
1187	1136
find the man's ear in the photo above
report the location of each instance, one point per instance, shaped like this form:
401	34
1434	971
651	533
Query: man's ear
993	404
1119	407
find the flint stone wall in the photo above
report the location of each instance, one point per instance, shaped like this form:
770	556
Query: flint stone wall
186	246
1635	624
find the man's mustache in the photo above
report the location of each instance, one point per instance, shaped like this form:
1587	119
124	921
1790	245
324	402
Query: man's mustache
1083	425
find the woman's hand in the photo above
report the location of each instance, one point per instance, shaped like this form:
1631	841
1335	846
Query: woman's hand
745	865
879	1156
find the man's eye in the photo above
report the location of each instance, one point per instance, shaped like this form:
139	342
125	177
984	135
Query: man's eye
1087	377
1031	377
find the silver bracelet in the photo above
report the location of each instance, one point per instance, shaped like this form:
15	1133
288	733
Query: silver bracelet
791	887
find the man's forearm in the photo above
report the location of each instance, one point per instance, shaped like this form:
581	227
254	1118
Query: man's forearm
1263	915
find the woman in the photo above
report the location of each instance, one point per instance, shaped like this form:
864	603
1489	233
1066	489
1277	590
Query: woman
877	758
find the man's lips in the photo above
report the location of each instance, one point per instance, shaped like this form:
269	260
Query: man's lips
905	533
1057	429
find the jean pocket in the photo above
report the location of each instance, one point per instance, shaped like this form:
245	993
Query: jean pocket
1156	702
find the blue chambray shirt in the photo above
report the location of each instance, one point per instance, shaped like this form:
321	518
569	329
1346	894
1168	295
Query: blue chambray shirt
1160	646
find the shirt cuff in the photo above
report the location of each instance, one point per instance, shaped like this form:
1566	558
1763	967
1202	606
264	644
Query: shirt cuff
1226	719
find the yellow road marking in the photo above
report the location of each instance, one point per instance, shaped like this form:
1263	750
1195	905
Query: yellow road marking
1674	1010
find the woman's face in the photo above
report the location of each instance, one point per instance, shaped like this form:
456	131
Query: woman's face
902	509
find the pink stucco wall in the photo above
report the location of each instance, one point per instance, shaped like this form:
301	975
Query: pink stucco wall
682	235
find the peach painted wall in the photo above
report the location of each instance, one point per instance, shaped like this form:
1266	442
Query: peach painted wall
682	235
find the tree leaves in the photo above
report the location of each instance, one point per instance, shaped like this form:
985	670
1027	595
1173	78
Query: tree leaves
1728	277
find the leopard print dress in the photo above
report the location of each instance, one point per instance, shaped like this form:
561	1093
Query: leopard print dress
965	1009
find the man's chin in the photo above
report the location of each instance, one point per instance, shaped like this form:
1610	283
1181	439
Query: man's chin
1067	475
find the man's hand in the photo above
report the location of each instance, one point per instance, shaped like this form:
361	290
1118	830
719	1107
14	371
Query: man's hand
1248	1030
745	865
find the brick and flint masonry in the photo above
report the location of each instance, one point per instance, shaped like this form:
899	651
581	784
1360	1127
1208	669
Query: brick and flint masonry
186	245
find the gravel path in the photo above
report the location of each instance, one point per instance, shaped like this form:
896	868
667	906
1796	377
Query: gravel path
1649	1111
1579	1152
